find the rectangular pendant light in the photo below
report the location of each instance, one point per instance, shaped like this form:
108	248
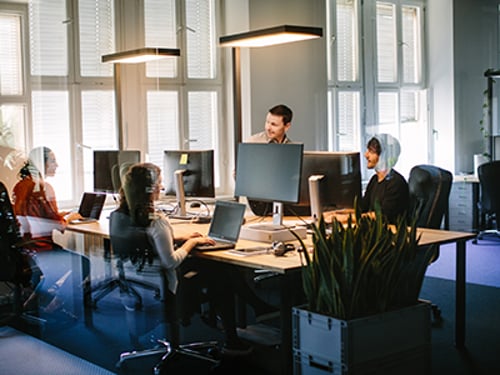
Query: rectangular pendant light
271	36
140	55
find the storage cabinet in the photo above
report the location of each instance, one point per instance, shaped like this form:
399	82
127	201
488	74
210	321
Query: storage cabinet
463	212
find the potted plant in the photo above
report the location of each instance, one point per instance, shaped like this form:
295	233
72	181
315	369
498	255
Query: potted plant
361	284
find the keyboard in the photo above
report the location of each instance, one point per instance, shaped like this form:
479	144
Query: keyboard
84	220
219	245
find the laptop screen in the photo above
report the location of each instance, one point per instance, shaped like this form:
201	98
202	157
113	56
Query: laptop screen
91	205
227	220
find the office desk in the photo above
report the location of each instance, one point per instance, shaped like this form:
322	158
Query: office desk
285	266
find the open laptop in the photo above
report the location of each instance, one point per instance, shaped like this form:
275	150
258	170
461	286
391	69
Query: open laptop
225	226
90	207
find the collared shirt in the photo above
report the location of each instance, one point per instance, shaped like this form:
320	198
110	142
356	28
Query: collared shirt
263	138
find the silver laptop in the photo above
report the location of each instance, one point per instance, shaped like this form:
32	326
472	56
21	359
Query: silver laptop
90	208
225	226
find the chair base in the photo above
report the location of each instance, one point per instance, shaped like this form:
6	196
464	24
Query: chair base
204	351
125	286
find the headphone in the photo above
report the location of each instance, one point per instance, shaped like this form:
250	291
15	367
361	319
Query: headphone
280	248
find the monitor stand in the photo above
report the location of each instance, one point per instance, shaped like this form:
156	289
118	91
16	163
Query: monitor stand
276	231
180	195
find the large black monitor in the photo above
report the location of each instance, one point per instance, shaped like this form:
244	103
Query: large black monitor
108	165
339	185
188	173
269	172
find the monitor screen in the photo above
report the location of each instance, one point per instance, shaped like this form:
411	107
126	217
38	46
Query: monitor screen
269	172
197	175
340	184
107	166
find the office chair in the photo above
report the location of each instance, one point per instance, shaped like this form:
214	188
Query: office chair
140	258
489	202
20	268
129	238
429	188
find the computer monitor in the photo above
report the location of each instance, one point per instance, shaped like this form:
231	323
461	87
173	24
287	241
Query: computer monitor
269	172
108	166
188	173
339	185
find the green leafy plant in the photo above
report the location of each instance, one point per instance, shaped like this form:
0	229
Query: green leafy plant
363	268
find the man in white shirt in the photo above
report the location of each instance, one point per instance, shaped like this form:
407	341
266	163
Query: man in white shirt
278	122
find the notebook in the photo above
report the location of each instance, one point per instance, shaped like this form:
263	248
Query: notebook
90	207
225	226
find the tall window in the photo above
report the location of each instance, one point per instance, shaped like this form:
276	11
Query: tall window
183	105
13	98
378	86
55	91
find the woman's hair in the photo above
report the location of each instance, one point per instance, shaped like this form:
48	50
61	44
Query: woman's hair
137	192
35	165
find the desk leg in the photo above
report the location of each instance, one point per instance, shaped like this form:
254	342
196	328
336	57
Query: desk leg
286	325
460	296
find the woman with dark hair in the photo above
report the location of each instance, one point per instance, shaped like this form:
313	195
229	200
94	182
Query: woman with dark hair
140	189
35	202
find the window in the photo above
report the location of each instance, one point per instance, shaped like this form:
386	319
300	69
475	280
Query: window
183	104
386	93
66	99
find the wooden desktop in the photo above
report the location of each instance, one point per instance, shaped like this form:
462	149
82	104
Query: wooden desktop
285	266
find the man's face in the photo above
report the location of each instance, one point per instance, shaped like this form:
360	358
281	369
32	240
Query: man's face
275	128
372	158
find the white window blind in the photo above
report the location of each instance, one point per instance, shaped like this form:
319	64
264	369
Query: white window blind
387	68
200	21
161	31
348	120
51	129
346	39
10	55
163	124
411	44
96	25
48	38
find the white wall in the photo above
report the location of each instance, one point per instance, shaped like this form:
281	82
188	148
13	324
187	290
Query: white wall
293	74
441	82
475	50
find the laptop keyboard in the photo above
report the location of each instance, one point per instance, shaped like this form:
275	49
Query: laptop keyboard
219	245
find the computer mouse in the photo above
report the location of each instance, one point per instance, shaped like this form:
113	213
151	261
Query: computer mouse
195	205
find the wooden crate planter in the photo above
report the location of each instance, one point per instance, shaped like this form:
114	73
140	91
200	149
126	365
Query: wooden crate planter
386	343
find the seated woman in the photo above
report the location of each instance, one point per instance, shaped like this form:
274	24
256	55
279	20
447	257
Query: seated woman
35	203
141	187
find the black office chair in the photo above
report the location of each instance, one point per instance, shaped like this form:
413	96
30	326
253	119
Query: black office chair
140	259
47	279
131	239
429	188
489	202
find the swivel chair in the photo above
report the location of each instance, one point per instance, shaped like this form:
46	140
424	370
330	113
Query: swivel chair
429	188
19	266
130	238
140	258
489	203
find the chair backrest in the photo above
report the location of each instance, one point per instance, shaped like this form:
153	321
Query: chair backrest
489	181
9	237
129	241
429	188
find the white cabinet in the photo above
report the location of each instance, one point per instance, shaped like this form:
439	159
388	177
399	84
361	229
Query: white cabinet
464	195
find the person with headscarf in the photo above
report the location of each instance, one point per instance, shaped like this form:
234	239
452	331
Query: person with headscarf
34	199
387	186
